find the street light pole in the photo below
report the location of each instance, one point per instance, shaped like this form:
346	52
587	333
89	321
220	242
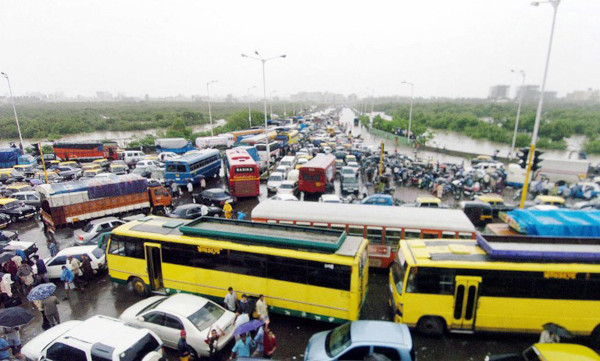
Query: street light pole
538	114
514	140
263	61
249	112
412	93
12	100
209	111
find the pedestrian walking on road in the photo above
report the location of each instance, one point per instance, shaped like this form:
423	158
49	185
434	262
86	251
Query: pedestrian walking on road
230	300
174	190
269	342
13	337
4	349
42	271
262	309
202	183
25	274
228	209
190	187
183	348
50	310
243	347
76	270
67	278
86	268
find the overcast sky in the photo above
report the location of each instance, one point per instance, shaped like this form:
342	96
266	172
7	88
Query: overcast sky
446	48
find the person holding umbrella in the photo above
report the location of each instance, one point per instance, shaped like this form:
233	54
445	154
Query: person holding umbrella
42	296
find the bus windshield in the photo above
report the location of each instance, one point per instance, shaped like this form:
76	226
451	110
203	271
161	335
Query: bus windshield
398	273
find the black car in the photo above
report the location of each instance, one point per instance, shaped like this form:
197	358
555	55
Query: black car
213	196
4	220
192	211
15	210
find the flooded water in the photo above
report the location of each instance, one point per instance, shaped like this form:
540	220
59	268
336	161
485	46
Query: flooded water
458	142
121	137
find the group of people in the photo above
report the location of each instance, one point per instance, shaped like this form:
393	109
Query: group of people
176	191
78	276
262	343
18	277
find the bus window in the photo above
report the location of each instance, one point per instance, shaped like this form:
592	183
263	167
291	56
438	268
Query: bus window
356	231
303	223
320	225
465	235
448	235
339	227
393	236
412	233
430	234
374	234
271	221
439	281
286	222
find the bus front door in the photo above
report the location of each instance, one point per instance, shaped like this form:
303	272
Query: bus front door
154	265
465	302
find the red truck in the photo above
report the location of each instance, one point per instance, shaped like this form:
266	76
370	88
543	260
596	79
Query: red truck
85	150
71	202
318	174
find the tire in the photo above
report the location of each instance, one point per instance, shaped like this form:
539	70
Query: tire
139	287
194	355
13	219
160	212
595	337
431	326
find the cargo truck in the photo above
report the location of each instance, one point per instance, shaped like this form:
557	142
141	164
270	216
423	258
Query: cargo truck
9	157
70	202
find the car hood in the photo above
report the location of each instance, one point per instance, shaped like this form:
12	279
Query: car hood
33	349
130	313
315	349
273	183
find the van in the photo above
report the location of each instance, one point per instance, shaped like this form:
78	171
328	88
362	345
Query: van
289	161
97	338
132	156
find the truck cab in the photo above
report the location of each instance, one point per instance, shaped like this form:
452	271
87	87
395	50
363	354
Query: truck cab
159	198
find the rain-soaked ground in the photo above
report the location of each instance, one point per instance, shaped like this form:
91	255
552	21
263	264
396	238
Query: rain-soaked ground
103	297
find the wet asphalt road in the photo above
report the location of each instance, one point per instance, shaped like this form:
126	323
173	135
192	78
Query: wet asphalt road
102	297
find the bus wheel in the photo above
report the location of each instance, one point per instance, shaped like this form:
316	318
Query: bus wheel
160	212
139	287
595	337
431	326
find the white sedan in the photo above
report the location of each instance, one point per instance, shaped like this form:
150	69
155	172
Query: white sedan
54	264
167	316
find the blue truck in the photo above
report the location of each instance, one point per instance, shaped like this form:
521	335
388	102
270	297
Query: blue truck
10	157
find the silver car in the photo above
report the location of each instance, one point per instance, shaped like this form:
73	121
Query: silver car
96	226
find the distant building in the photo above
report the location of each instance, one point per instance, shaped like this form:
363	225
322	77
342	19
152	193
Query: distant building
499	92
530	93
590	95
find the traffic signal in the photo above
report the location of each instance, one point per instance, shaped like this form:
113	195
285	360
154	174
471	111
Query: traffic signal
523	156
535	164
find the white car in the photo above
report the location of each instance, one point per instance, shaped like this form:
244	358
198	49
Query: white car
143	164
353	165
167	316
330	198
274	181
288	187
54	264
106	176
97	338
284	197
165	156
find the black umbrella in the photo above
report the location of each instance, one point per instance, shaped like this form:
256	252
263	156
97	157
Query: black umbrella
558	330
14	316
6	256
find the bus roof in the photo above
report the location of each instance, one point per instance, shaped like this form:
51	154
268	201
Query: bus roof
320	161
191	158
452	220
266	233
226	231
466	253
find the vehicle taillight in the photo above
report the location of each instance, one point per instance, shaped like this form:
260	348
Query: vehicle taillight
80	238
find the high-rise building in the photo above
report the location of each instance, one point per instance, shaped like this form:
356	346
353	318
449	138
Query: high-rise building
499	92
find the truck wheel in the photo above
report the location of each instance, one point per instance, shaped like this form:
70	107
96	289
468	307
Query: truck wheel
160	212
139	287
431	326
595	337
13	219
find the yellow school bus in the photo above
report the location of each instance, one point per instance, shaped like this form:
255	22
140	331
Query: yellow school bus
497	283
313	273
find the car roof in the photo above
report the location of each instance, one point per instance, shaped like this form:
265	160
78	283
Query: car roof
105	219
23	192
182	304
381	332
289	182
214	190
187	206
107	330
565	351
76	250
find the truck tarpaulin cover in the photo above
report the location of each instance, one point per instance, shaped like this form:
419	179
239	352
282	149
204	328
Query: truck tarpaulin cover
171	143
9	155
101	188
561	222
